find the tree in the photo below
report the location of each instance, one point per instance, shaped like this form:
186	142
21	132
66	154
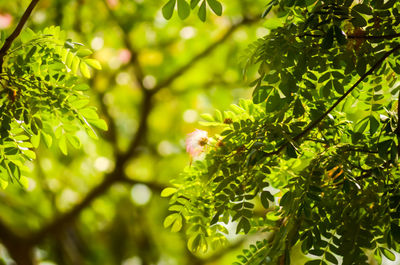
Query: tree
82	207
317	147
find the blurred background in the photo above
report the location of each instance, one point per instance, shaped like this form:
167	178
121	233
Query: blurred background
158	76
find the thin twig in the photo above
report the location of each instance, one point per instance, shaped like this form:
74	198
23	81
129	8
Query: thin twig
364	37
7	44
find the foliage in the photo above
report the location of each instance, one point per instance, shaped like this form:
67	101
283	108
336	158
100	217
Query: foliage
101	204
322	129
184	8
42	98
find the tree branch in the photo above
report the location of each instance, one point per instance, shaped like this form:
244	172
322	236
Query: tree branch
314	123
365	75
16	32
365	37
7	236
141	132
59	223
184	68
154	186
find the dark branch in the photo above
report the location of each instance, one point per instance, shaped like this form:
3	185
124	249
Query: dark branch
371	37
142	129
364	76
184	68
154	186
314	123
7	236
59	223
7	44
364	37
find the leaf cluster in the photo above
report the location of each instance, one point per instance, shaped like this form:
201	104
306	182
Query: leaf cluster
42	98
321	130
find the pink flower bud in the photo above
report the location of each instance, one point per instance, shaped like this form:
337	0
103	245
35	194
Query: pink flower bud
196	142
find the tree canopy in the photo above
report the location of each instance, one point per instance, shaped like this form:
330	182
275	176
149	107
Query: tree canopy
97	97
322	128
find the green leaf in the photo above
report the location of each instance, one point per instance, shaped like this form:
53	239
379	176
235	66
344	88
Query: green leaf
331	258
24	182
244	224
194	242
361	66
338	86
168	9
383	148
80	103
395	231
74	141
363	9
27	35
340	36
315	262
358	20
202	11
183	9
207	117
83	52
215	6
194	3
264	199
89	113
326	89
99	123
261	93
29	153
267	10
168	192
84	70
75	65
373	124
298	109
388	254
62	144
81	87
327	42
35	140
93	63
48	140
175	221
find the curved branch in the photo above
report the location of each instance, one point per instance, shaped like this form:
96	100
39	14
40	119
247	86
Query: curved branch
16	32
184	68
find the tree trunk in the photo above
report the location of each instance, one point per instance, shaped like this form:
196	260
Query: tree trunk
22	254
